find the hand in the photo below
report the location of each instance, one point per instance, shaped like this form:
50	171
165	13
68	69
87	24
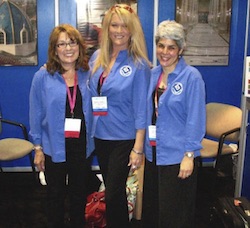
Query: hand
135	160
186	167
136	156
39	160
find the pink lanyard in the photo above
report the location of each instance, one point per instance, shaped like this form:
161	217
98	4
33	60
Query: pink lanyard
72	100
102	79
100	83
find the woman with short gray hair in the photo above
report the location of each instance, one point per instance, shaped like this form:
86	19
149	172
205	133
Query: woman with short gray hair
176	119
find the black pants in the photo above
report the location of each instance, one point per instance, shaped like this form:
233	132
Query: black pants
78	169
168	201
113	158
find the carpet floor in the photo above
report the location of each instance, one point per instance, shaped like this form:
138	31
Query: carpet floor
22	200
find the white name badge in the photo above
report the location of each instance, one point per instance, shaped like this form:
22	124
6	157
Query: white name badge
152	135
72	128
100	106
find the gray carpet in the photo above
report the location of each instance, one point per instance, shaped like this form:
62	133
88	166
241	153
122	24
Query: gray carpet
22	200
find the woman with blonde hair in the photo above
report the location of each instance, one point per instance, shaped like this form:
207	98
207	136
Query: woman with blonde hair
120	73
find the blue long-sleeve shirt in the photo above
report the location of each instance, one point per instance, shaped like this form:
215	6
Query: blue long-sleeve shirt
48	96
181	121
126	91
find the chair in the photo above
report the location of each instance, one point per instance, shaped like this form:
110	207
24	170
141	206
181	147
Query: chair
222	131
14	148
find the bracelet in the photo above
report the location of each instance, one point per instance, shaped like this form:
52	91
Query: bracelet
38	147
137	152
189	154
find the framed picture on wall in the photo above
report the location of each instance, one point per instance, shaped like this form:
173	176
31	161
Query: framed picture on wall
18	32
207	26
89	19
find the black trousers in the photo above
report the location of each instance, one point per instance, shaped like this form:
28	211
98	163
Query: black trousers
78	170
168	201
113	159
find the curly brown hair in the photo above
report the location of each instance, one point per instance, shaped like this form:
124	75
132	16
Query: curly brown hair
53	64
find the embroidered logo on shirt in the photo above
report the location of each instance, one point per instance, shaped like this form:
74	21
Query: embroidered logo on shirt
126	71
177	88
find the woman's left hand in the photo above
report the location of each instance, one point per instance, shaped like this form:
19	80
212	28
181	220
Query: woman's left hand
135	160
136	154
186	167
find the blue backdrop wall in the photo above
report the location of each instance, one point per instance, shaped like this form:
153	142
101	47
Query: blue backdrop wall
223	83
15	81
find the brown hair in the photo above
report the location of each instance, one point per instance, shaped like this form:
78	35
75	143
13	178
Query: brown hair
53	63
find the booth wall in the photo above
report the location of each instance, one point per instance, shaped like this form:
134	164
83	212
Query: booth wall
223	83
15	81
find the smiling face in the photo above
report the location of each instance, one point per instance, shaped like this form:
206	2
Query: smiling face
118	33
167	52
68	54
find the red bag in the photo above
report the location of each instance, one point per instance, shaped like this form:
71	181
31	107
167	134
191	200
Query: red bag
95	210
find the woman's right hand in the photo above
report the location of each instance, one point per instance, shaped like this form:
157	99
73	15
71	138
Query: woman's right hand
39	160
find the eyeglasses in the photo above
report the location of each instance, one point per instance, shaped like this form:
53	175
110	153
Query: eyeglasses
72	43
128	8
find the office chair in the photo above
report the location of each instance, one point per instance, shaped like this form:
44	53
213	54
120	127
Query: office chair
222	134
14	148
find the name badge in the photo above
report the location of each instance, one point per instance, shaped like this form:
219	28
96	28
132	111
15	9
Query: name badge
152	135
72	128
100	106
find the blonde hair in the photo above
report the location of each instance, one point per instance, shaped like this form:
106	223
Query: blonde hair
137	45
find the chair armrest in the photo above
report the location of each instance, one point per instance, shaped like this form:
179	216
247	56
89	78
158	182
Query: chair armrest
22	126
222	141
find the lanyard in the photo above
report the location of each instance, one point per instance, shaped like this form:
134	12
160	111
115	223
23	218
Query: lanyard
72	99
100	83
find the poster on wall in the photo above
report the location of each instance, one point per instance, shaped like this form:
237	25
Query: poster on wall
89	19
207	26
18	32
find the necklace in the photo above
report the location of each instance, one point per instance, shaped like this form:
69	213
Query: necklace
68	78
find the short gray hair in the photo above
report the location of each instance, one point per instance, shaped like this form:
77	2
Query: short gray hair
171	30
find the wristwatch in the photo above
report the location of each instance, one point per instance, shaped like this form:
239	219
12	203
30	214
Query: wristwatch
189	154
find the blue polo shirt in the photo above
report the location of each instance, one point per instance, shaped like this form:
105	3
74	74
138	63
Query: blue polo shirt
126	90
181	121
47	112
